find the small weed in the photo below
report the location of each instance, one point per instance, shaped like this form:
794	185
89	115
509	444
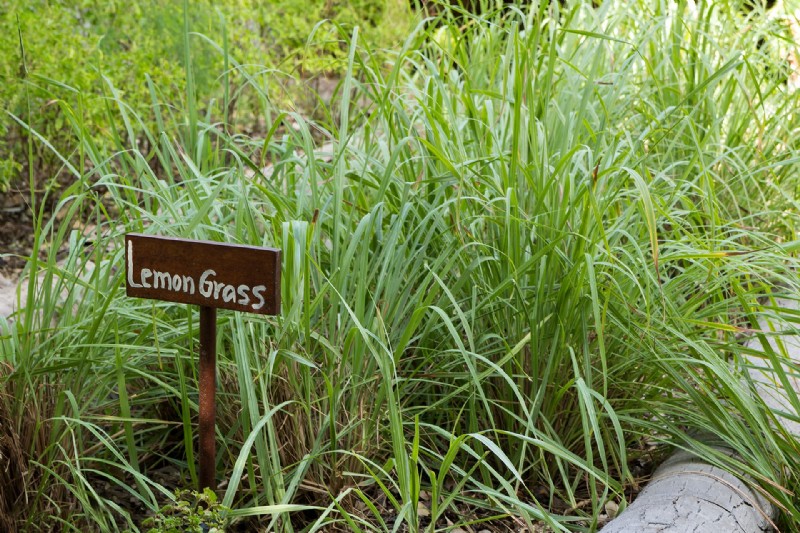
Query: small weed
191	511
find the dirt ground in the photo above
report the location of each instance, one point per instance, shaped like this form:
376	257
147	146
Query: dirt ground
16	238
16	228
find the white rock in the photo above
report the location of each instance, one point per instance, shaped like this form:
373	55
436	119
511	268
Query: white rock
689	495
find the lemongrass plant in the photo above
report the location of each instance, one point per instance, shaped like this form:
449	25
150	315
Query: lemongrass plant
517	260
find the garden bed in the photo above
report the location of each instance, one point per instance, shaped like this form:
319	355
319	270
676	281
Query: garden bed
517	273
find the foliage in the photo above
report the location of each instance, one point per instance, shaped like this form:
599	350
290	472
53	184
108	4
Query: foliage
62	58
192	512
516	259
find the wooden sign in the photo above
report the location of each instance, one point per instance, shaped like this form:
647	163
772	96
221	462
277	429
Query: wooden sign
211	275
204	273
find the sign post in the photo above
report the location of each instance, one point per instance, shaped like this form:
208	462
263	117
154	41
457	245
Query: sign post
212	275
208	397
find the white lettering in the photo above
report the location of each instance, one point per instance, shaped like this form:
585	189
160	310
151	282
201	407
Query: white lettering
206	286
217	287
162	278
188	284
244	299
229	294
145	273
257	290
130	266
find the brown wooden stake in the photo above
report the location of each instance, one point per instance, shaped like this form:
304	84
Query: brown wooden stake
214	276
208	390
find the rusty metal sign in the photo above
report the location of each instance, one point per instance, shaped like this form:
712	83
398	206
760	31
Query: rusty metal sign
211	274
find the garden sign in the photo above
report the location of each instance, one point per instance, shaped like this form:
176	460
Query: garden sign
212	275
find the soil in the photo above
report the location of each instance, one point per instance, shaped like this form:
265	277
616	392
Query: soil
16	232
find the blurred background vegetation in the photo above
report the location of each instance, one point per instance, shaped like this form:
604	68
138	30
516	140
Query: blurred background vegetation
60	56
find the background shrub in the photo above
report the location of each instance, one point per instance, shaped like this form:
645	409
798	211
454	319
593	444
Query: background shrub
59	60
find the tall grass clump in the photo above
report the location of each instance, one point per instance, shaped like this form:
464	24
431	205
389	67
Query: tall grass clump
517	259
